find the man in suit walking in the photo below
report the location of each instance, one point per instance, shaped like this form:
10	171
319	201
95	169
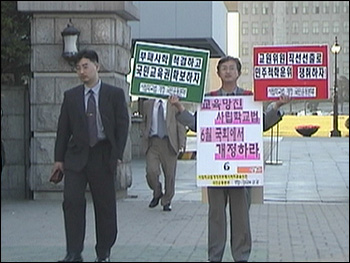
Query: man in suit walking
163	138
91	136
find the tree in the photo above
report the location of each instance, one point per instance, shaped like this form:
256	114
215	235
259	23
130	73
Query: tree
343	86
343	91
15	41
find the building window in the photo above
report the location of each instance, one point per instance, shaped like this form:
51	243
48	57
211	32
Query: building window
326	7
245	49
245	30
255	9
346	27
305	7
295	10
305	28
255	28
295	27
245	9
265	8
246	71
336	26
265	28
346	7
316	8
346	69
295	7
336	7
346	48
315	29
325	27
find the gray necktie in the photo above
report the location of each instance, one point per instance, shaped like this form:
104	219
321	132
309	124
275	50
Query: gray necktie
91	118
161	121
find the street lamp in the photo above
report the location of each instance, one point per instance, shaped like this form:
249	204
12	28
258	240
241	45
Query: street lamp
335	50
70	37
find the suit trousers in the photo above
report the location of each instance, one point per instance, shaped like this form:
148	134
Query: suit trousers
161	154
239	203
101	180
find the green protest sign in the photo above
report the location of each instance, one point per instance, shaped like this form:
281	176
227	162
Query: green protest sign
163	70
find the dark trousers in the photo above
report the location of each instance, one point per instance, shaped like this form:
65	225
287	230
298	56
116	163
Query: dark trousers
241	240
100	178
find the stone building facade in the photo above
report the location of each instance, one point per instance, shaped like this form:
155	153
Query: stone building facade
103	27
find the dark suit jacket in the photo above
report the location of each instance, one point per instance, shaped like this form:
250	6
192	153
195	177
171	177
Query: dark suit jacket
72	141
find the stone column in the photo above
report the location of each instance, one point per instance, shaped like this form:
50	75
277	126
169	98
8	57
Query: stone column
103	27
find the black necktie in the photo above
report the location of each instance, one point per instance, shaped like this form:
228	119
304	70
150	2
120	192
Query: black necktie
91	118
161	121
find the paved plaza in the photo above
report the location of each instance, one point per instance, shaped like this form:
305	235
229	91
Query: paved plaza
304	216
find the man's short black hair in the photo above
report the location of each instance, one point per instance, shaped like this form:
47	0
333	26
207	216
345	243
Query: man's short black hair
87	53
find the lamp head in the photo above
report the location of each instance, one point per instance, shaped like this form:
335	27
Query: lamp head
335	48
70	37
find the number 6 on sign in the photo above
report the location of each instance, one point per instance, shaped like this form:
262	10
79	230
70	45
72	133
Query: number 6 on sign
226	166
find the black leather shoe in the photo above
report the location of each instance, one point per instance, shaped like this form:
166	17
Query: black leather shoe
167	208
98	259
72	257
155	201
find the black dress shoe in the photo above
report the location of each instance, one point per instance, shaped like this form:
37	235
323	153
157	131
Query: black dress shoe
106	259
167	208
155	201
72	257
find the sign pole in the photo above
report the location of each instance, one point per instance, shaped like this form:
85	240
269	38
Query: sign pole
276	161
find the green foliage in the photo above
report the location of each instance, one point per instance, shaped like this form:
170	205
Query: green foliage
343	86
15	40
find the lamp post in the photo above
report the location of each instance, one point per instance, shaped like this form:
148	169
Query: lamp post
335	50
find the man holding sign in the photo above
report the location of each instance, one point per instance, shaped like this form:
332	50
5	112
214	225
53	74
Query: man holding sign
229	70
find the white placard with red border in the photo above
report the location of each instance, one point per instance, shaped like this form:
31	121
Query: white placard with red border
229	142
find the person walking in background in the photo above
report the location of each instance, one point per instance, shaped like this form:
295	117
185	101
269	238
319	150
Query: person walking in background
229	70
91	136
163	138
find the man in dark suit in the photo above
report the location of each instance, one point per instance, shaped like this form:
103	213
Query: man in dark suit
91	137
163	138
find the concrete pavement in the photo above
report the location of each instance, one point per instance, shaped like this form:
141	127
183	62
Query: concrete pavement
304	218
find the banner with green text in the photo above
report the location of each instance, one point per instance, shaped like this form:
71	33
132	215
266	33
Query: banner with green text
163	70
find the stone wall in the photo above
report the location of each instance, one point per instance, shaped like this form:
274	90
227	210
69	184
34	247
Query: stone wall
15	134
103	27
